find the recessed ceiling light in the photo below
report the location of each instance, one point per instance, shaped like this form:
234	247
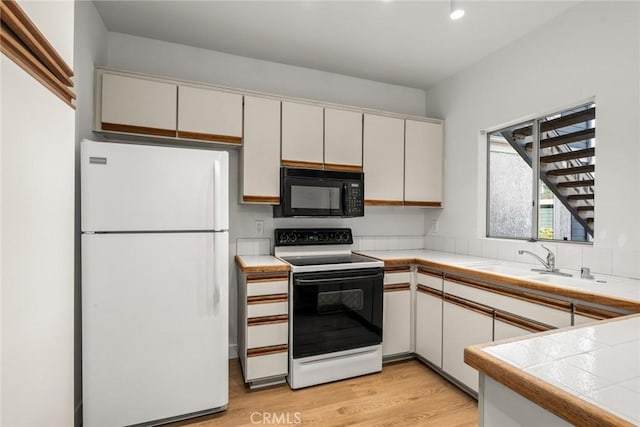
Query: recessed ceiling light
456	12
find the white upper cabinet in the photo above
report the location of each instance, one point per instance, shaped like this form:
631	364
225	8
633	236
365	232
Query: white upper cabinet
342	139
423	159
138	105
383	160
210	115
260	156
302	135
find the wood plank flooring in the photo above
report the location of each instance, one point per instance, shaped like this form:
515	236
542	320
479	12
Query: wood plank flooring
405	393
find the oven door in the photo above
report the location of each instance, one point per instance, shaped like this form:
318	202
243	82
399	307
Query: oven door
336	310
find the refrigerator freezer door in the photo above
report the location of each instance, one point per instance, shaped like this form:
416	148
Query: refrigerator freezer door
127	187
155	325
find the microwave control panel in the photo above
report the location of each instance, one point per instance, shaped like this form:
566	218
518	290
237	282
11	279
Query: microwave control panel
354	199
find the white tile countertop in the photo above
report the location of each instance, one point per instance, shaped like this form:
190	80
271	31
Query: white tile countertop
597	363
261	264
603	289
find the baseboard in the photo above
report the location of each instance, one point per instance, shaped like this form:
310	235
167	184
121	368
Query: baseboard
233	351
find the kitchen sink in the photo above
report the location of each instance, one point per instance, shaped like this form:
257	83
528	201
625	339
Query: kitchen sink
508	270
568	281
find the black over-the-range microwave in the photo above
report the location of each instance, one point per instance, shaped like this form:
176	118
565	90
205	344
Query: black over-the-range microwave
323	193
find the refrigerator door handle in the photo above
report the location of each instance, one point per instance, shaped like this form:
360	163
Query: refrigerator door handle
217	193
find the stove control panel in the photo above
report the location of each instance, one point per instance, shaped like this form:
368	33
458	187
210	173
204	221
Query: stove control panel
313	236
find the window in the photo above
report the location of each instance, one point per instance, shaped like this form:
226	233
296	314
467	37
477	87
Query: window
541	178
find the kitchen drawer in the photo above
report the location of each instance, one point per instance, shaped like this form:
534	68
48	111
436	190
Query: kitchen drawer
265	285
263	332
267	364
396	275
271	305
430	279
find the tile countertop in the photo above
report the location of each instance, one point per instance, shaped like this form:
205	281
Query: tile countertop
261	264
618	292
587	375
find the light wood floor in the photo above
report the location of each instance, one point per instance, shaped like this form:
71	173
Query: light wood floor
405	393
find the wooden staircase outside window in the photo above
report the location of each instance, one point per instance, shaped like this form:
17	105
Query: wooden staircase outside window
566	156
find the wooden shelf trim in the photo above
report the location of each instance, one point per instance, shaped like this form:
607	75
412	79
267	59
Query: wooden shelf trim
30	36
263	351
397	287
428	272
117	127
261	279
298	164
13	49
265	299
272	200
429	291
594	312
210	137
512	293
267	320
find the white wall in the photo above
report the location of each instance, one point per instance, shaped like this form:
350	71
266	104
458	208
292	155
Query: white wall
150	56
591	50
37	156
90	49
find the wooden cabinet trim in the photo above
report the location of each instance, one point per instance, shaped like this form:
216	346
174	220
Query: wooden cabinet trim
298	164
594	312
512	293
263	351
260	279
261	199
429	291
397	269
267	320
209	137
432	273
521	322
383	202
116	127
469	305
348	168
23	43
423	204
397	287
265	299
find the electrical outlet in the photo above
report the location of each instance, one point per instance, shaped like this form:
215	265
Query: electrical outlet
259	227
435	226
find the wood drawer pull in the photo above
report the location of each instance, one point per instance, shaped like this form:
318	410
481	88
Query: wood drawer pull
258	279
263	351
397	287
397	269
265	299
267	320
429	291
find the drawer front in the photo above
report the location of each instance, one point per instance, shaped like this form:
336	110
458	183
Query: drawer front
268	365
266	286
396	275
266	335
429	280
261	309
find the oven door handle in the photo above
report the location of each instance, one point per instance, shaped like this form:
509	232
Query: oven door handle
335	279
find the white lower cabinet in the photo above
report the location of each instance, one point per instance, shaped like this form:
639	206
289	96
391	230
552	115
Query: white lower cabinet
263	327
503	330
429	326
463	326
396	315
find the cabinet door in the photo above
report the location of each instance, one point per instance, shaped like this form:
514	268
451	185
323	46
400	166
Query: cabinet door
209	115
463	326
137	105
429	325
503	330
342	139
302	140
423	160
396	329
260	156
383	155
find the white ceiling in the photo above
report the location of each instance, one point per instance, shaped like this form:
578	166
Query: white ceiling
409	43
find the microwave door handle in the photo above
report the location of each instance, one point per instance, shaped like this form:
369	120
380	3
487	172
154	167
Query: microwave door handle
334	279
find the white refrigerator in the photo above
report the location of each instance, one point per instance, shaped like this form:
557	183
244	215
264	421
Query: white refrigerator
155	278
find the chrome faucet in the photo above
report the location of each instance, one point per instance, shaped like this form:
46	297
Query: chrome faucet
549	264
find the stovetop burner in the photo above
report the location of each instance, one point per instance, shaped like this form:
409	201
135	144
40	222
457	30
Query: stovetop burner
326	259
